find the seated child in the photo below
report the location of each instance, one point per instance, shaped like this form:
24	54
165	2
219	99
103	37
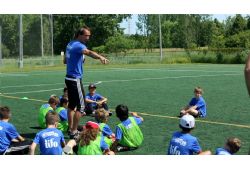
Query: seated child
101	117
95	101
90	142
182	142
65	93
232	146
50	140
62	112
128	134
11	142
50	106
197	105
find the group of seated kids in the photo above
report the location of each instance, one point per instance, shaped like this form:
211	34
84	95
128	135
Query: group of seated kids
183	143
96	137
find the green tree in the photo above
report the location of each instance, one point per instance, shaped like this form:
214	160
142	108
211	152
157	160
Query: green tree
218	37
102	27
119	43
235	25
10	34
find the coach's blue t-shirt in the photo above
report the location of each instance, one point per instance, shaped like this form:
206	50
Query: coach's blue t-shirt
183	144
95	97
50	140
118	131
75	58
8	132
222	151
201	105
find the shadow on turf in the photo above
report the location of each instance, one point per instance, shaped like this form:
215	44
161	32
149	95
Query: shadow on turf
28	135
36	127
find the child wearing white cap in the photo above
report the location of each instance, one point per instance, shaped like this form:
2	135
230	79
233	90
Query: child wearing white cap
182	142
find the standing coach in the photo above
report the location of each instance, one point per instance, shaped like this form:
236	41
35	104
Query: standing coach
75	57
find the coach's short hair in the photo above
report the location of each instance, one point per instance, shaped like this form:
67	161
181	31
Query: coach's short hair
51	118
122	112
81	31
4	112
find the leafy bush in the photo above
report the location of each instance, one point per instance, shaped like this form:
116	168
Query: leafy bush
240	57
175	60
219	58
99	49
5	51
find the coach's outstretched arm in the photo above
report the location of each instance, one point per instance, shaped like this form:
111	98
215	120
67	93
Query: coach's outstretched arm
247	74
95	56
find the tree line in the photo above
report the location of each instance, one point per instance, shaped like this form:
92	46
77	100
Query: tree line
189	31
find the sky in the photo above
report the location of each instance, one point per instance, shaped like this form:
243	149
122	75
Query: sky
130	26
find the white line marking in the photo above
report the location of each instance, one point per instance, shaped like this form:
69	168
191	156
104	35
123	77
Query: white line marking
12	75
123	69
34	85
40	91
37	91
127	80
167	77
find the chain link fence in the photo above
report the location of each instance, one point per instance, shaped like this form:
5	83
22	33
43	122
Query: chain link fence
26	40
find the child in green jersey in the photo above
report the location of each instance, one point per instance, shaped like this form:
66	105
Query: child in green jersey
128	134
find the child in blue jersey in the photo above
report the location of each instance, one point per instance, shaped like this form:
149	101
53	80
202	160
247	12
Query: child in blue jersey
101	117
11	142
197	105
128	134
183	143
51	140
95	101
232	146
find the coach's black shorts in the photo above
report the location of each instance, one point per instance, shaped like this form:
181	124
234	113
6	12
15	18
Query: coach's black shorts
76	93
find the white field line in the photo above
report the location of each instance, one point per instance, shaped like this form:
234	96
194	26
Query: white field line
167	77
128	80
40	91
147	69
121	69
34	85
13	75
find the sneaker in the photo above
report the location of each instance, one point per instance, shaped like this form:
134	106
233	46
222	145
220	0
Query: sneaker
75	135
110	113
67	150
122	148
92	114
83	114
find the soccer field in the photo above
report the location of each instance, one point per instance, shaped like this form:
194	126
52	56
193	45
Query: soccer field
156	91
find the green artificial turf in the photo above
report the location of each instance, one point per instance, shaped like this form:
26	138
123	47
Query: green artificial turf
154	89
